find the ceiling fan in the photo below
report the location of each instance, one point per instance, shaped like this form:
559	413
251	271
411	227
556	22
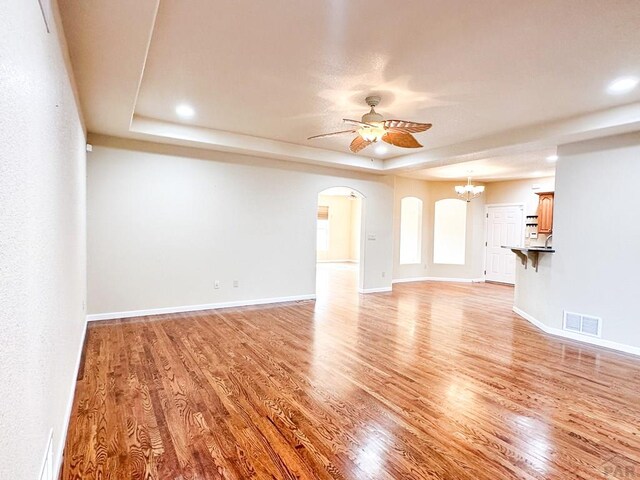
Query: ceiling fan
374	127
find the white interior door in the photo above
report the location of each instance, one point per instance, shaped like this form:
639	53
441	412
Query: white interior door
504	227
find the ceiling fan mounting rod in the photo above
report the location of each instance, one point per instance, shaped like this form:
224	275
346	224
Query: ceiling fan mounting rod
373	100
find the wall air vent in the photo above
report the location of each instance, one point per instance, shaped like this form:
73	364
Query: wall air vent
583	324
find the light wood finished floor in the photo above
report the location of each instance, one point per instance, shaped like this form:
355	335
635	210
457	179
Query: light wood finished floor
434	380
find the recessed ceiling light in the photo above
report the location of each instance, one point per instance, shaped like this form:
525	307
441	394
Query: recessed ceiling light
185	111
381	149
552	158
622	85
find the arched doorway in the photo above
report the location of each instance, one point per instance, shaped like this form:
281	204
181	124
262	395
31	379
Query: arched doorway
339	246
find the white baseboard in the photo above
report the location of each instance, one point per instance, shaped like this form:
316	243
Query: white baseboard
346	260
57	465
437	279
194	308
558	332
47	469
531	319
374	290
410	279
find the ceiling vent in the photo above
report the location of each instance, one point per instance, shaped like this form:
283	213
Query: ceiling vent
583	324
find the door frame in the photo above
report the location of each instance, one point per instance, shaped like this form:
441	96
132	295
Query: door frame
486	230
363	242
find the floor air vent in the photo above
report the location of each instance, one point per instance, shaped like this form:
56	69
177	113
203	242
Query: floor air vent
584	324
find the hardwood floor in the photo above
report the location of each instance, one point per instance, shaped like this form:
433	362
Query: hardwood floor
434	380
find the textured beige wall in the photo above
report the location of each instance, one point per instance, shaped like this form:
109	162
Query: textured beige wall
516	191
42	239
519	191
165	222
409	187
341	228
474	251
356	229
596	234
430	192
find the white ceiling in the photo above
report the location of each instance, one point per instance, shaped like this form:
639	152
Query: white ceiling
494	77
535	164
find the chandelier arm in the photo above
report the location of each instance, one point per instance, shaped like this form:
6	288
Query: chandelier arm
469	191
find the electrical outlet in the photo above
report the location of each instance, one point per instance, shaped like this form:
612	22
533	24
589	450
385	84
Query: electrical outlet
383	274
236	284
216	284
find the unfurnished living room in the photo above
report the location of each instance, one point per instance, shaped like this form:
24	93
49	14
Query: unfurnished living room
341	239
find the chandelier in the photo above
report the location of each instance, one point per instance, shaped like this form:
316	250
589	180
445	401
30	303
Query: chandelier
469	191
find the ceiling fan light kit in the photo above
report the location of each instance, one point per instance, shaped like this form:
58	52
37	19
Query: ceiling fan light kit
373	127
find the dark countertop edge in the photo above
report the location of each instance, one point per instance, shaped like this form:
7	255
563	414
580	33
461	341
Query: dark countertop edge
531	249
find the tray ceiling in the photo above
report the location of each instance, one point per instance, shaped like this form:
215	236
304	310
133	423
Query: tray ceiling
493	77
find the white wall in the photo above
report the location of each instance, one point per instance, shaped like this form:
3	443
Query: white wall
430	192
42	239
165	222
596	237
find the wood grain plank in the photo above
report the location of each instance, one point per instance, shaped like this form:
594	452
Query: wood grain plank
431	381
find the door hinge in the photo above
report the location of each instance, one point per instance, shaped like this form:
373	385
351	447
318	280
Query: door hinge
485	244
485	272
487	215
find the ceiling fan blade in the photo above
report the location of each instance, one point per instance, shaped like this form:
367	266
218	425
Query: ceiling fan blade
402	126
404	140
358	144
331	134
357	122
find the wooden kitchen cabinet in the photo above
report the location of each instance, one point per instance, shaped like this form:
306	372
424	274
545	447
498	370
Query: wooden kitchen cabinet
545	212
